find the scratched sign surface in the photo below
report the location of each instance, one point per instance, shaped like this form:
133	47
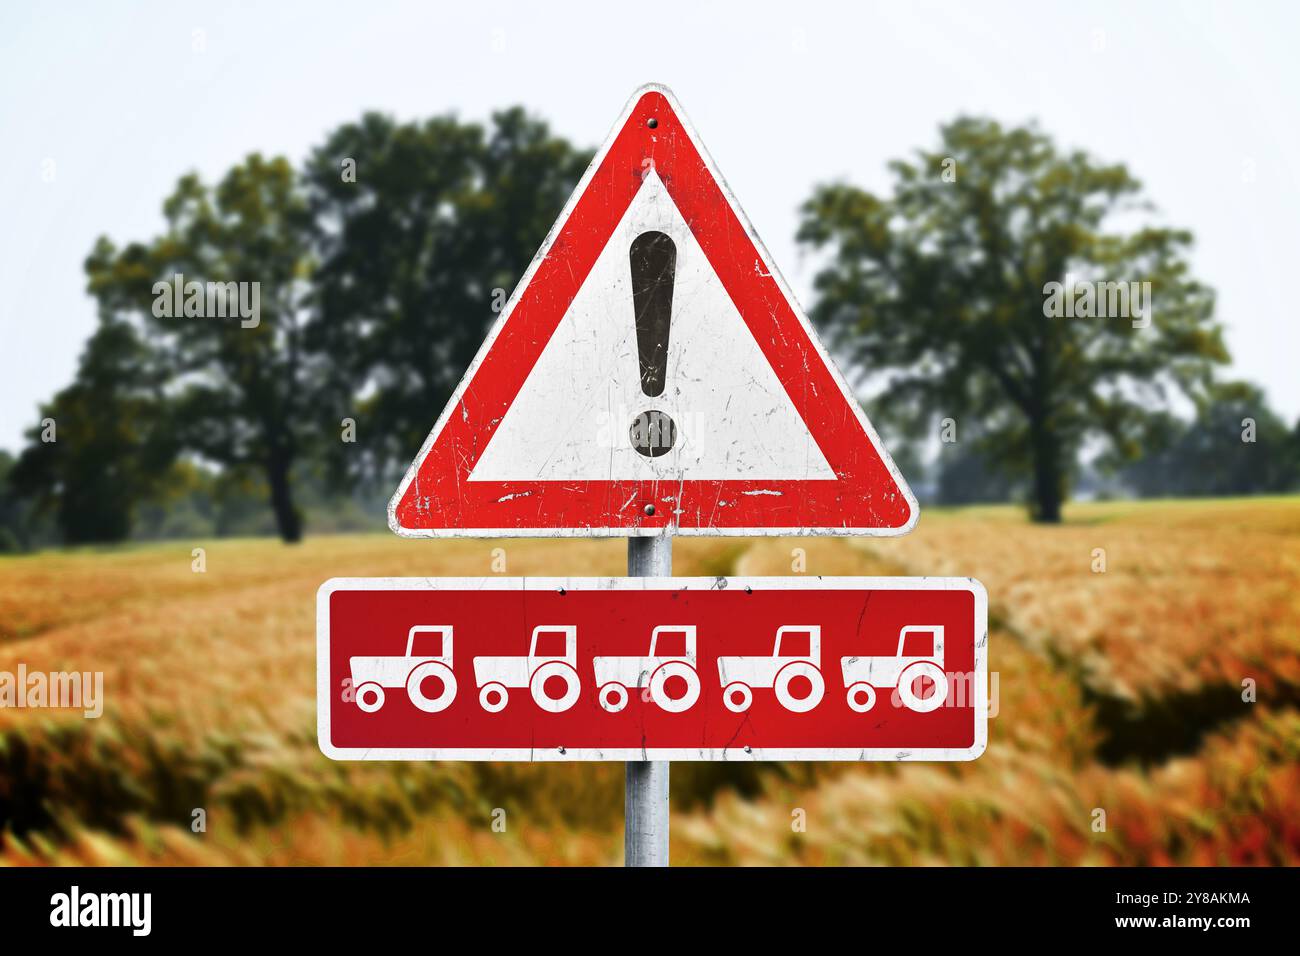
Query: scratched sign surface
652	668
652	372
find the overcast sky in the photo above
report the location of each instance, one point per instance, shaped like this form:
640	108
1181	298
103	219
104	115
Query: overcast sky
1202	101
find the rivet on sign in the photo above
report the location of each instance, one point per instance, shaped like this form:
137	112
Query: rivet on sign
649	509
652	122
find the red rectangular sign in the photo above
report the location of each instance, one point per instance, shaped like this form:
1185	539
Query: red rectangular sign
652	668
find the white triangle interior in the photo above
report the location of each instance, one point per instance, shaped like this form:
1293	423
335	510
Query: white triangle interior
571	419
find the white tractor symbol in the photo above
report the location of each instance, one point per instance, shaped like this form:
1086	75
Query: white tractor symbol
370	675
495	674
614	675
862	675
741	674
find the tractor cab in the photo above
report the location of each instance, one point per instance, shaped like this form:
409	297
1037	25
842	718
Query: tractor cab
673	640
798	640
921	641
429	641
551	641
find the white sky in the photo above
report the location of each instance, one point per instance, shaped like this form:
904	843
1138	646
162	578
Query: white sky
1202	101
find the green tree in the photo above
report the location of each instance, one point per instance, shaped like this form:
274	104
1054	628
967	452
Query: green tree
1236	445
21	527
111	441
422	230
942	287
965	476
244	384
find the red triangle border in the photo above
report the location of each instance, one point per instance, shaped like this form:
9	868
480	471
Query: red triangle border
868	495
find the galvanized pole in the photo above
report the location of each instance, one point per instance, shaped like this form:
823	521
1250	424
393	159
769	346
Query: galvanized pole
645	794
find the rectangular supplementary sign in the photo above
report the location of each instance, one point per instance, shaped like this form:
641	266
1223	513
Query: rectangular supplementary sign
796	668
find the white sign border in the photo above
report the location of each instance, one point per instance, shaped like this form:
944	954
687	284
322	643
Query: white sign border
914	511
324	691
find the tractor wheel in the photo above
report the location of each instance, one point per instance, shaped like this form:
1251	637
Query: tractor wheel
571	686
794	670
613	697
376	693
658	686
914	672
737	696
862	697
493	697
422	672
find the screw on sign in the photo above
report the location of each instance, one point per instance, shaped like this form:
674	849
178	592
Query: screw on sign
652	376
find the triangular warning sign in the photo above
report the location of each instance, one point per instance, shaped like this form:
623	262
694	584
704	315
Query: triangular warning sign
652	372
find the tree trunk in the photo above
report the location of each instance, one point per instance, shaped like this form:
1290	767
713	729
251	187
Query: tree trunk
287	520
1049	477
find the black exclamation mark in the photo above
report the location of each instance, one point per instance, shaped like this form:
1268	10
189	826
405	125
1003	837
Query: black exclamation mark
654	265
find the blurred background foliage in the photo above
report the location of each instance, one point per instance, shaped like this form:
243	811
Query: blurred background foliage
384	258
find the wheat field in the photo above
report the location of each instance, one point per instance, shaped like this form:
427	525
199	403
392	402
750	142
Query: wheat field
1147	662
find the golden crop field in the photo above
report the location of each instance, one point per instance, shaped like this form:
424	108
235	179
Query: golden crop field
1119	692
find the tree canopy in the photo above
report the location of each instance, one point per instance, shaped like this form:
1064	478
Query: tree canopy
417	250
104	443
240	378
1234	446
944	287
277	305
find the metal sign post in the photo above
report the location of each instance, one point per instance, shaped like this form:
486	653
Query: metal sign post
645	795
